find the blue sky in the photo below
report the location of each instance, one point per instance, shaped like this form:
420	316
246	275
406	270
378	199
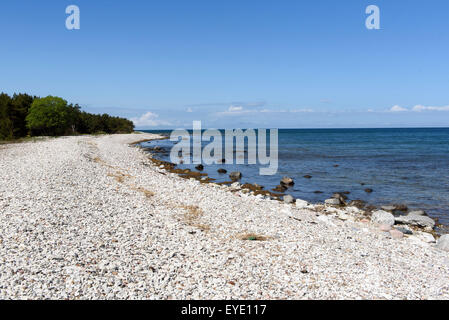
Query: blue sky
285	64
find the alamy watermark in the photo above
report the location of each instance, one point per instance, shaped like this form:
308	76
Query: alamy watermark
189	149
373	20
73	21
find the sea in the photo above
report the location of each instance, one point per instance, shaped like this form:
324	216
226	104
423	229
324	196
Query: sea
402	166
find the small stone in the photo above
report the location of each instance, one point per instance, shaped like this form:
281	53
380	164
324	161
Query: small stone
418	212
368	190
340	195
222	171
235	175
443	242
357	203
332	201
396	234
199	167
308	176
405	230
287	181
426	237
382	217
385	227
301	204
288	199
388	208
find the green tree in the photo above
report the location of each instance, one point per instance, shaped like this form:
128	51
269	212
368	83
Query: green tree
6	126
20	105
49	116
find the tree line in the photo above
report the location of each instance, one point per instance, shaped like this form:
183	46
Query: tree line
23	115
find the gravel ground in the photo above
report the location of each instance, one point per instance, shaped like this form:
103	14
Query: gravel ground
91	218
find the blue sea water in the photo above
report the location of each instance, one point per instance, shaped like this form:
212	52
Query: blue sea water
407	166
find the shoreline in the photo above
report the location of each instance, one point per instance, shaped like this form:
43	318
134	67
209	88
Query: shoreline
104	215
278	193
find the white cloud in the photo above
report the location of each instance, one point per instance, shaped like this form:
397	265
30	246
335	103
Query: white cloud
235	108
419	108
397	108
149	119
302	110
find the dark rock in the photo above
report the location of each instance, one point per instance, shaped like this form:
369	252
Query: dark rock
338	195
308	176
401	207
286	181
199	167
222	171
279	188
336	165
358	204
318	191
368	190
404	230
235	175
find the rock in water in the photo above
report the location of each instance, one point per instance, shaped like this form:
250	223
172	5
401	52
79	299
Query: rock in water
332	201
368	190
235	175
382	217
199	167
222	171
286	181
416	220
443	242
289	199
340	195
307	176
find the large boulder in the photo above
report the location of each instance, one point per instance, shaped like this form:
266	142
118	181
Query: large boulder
416	220
382	217
235	175
286	181
443	242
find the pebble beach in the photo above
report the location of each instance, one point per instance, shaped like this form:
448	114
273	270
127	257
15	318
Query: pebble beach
91	217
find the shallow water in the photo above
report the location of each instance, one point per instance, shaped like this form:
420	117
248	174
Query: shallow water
409	166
